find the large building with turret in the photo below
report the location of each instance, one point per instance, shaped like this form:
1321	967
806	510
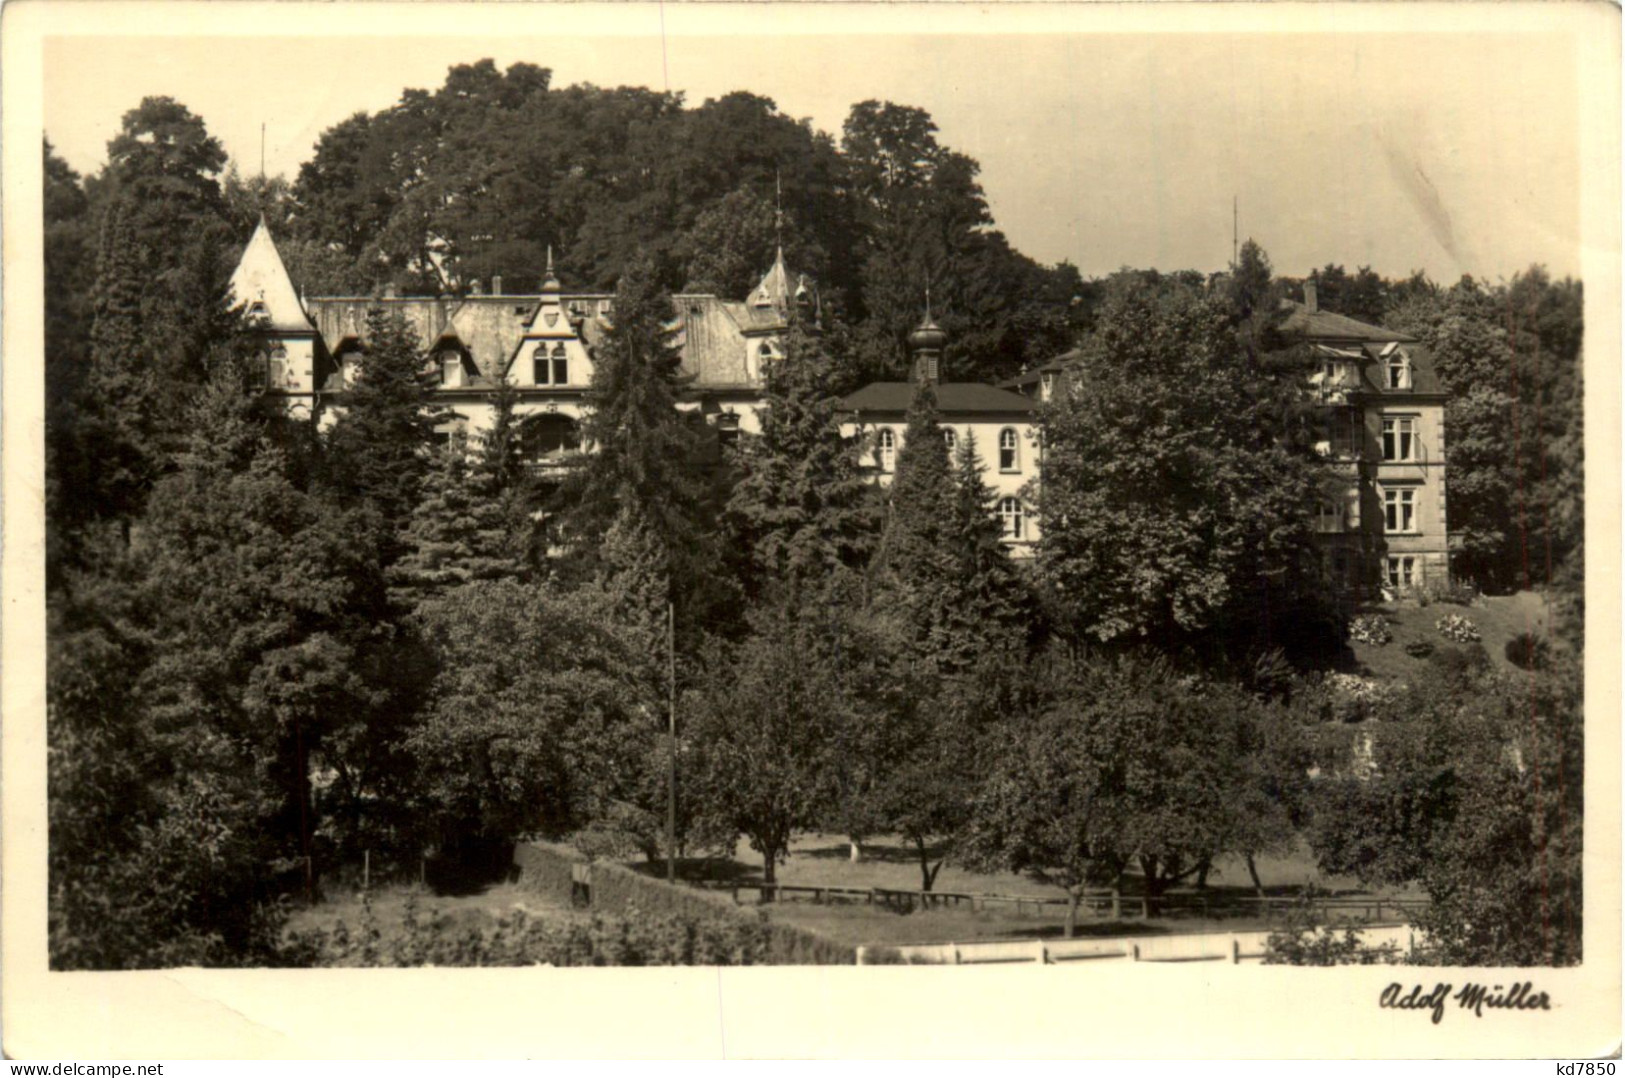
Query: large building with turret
543	346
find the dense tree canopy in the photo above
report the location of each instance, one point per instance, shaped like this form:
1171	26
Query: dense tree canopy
275	651
1173	500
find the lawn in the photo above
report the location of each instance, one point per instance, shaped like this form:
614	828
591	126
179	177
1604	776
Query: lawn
822	860
1499	618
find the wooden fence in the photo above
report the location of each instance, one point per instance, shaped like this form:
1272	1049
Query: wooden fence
1099	903
1229	947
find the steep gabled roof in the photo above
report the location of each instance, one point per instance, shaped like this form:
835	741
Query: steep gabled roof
261	279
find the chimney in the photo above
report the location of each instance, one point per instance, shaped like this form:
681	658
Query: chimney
1311	301
496	285
474	288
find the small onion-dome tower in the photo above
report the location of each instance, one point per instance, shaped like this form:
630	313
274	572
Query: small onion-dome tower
926	343
550	282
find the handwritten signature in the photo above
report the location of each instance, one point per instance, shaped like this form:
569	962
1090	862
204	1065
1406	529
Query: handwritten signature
1520	996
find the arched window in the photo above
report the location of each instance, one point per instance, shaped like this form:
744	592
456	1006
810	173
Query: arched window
1010	516
538	365
276	369
888	449
950	439
1008	459
561	366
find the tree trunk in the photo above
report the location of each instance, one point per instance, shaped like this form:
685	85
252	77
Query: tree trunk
770	869
1201	873
928	875
1072	897
1252	870
1154	885
855	854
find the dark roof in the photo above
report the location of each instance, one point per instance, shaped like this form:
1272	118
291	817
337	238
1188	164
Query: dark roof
1054	366
1300	321
491	327
952	397
1424	379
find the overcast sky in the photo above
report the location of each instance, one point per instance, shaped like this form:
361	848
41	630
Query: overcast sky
1449	152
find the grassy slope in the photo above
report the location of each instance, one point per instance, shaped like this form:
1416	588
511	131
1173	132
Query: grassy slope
1499	619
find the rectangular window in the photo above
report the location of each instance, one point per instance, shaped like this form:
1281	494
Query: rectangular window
1329	517
538	368
1399	438
561	370
1399	505
1401	572
1399	372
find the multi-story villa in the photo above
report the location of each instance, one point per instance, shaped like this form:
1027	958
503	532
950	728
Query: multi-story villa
1384	434
543	346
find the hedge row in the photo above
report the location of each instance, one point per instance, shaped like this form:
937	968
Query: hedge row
545	869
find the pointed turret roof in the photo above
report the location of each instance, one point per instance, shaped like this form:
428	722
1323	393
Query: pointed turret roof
774	287
261	279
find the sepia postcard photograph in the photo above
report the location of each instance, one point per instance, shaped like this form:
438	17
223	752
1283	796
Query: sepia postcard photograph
1011	522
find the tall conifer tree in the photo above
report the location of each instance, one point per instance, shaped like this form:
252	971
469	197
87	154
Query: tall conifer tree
803	507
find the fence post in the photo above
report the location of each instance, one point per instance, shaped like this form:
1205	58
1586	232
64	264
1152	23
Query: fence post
1235	950
1117	904
862	955
955	948
1134	952
1043	953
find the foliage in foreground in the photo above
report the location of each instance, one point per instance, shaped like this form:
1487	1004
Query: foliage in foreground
518	939
1302	942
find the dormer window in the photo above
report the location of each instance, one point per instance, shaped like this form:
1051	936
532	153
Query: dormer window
1399	371
561	366
257	312
1046	386
451	369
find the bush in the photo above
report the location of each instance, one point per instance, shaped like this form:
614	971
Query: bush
1458	594
1528	651
1458	628
1356	699
1370	629
1419	649
517	939
1457	663
1304	944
